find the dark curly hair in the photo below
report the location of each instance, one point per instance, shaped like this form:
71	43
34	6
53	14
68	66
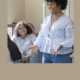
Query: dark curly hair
62	3
29	30
27	25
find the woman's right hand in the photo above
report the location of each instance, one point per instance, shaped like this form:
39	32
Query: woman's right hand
34	50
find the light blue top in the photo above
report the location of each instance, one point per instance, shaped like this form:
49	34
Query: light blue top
61	33
24	44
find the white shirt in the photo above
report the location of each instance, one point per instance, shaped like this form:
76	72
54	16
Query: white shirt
61	33
23	44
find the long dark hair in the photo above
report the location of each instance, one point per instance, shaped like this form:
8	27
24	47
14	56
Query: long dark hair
14	51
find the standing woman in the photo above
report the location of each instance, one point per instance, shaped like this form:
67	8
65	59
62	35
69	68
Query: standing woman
13	51
55	38
23	37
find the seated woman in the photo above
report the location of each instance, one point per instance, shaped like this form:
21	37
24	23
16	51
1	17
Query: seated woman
13	51
23	37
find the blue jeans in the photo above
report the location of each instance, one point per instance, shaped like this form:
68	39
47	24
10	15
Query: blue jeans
47	58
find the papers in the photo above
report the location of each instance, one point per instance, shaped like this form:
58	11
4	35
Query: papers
9	30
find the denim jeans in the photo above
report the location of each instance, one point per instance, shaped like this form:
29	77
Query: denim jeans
47	58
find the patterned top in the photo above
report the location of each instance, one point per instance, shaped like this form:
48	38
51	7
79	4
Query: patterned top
61	33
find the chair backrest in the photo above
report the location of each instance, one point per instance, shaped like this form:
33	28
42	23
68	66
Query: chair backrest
37	58
32	27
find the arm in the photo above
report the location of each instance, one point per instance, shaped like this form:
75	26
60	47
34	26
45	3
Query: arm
23	55
69	40
40	37
37	44
68	43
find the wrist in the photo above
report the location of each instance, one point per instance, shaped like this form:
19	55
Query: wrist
60	46
36	46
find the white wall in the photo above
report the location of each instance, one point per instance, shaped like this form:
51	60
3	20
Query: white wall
30	11
33	12
71	9
16	11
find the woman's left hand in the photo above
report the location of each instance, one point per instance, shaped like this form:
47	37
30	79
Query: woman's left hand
55	51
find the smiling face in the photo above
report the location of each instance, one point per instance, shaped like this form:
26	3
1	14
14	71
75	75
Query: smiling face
52	6
22	30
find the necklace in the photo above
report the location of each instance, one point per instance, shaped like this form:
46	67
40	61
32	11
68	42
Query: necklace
57	17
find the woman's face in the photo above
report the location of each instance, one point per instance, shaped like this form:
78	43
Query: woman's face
52	6
22	30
